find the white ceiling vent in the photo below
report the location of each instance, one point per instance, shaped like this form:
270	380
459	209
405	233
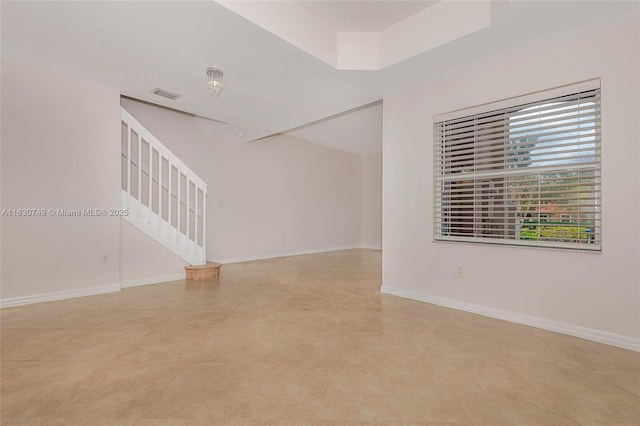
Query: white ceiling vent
165	93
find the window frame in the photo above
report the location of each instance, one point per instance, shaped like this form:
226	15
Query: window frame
588	230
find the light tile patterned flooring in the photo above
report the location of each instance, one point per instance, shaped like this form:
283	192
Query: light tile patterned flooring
296	341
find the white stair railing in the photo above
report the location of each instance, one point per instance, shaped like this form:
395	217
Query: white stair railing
165	199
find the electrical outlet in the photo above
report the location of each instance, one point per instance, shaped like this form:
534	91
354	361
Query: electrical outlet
106	259
282	239
459	270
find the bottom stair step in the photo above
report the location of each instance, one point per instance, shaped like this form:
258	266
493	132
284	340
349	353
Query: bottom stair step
208	271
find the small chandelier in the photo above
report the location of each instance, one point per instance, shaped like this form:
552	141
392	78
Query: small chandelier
214	80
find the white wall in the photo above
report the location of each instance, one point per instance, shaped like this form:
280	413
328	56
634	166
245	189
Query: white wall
593	293
277	196
144	261
59	150
372	201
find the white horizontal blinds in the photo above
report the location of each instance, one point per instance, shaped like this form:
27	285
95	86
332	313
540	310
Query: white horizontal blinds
528	173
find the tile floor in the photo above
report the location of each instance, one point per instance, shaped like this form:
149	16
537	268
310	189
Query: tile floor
305	340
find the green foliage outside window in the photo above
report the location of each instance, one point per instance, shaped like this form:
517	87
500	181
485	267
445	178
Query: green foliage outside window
555	232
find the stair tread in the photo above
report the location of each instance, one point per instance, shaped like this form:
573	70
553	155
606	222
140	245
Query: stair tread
208	265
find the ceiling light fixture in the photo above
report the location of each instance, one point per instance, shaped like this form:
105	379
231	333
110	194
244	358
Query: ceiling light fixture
214	80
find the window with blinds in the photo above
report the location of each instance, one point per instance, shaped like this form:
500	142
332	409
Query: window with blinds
524	171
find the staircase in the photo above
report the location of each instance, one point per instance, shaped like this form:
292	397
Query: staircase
166	200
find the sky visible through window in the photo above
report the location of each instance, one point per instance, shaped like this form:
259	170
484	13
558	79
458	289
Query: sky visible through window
549	128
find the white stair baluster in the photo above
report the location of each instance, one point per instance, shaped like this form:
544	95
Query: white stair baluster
188	210
160	167
129	161
204	216
139	160
178	215
150	170
195	219
170	197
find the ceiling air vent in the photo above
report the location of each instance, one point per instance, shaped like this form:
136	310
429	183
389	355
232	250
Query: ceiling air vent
165	93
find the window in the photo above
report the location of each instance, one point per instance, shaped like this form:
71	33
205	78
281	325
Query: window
522	171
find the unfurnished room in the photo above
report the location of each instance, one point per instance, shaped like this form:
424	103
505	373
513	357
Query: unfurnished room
312	212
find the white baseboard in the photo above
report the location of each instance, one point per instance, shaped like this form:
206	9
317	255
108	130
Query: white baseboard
152	280
283	254
370	247
545	324
58	295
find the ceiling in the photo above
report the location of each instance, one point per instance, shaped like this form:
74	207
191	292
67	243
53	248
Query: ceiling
364	15
272	85
358	130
